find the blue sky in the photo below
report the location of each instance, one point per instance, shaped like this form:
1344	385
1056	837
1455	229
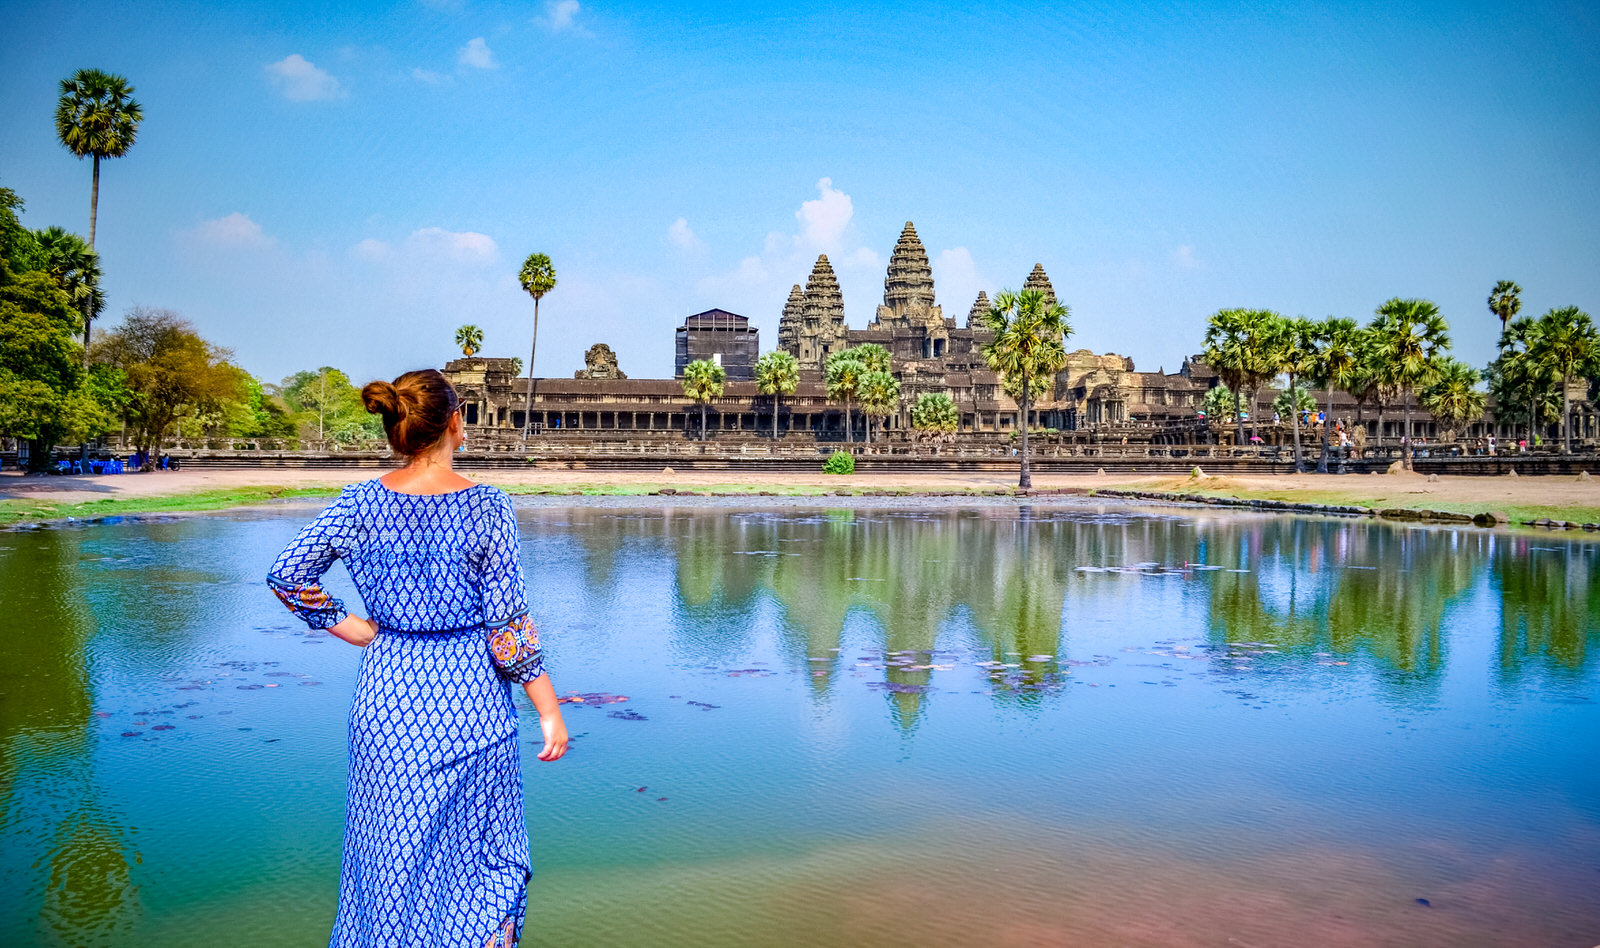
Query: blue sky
347	187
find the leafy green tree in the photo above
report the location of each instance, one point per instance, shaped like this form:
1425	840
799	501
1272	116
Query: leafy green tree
1454	398
935	413
329	399
75	267
97	117
880	397
1336	366
537	277
41	370
777	375
1570	346
516	365
263	415
842	378
1505	301
1411	337
1027	348
470	339
702	381
171	371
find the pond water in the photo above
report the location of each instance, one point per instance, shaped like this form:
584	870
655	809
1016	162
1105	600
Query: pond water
894	724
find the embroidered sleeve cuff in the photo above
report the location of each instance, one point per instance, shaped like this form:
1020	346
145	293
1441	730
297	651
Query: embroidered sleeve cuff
514	646
310	602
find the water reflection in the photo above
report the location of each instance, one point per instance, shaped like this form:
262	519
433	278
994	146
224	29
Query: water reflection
52	801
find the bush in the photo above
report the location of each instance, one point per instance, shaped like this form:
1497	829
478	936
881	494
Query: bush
840	462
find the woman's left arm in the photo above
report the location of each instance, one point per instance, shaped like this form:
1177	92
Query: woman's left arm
296	575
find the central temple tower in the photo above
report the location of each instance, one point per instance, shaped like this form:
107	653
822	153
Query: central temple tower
908	288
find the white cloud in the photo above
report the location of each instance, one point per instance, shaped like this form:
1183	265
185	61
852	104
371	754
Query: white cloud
1184	258
477	54
683	237
370	250
234	230
428	76
956	280
458	247
823	220
825	224
559	14
301	81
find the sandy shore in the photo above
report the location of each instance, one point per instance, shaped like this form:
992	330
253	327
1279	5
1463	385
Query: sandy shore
1374	490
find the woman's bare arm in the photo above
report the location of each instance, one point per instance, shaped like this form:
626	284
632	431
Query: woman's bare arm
543	695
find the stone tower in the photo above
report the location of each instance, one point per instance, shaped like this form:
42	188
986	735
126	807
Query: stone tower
1038	281
789	322
908	288
980	307
822	329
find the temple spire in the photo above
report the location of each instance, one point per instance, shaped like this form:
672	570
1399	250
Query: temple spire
1037	280
980	308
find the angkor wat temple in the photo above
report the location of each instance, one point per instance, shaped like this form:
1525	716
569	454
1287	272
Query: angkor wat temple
1093	395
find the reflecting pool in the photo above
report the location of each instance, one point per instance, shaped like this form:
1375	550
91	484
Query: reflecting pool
889	724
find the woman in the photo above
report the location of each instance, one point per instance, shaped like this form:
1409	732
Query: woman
435	847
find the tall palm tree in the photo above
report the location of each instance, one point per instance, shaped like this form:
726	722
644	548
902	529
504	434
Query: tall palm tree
1523	373
470	339
1226	352
1505	301
1294	353
935	413
1337	349
1027	349
843	381
538	277
97	117
873	356
1454	397
75	267
1570	346
1411	338
777	374
702	381
880	397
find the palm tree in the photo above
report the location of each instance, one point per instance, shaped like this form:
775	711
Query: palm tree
470	339
702	381
97	117
1225	352
1294	343
1335	366
873	356
843	381
538	277
1411	338
1028	347
1570	346
777	374
1454	397
1505	302
880	397
935	413
75	267
1522	372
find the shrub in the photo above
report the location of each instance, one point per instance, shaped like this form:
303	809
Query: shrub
840	462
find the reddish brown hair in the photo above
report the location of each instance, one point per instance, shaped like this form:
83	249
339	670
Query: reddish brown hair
416	409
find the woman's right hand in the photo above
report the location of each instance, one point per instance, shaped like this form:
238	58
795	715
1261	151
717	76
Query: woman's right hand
555	736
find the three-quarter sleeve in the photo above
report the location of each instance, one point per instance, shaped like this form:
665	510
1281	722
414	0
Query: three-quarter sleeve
513	641
295	577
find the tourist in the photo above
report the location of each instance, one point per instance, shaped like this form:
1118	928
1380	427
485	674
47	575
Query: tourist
435	845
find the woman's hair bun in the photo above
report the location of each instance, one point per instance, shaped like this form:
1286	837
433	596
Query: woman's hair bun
381	398
416	409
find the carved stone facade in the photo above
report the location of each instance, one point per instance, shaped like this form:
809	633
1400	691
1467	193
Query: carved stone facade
599	363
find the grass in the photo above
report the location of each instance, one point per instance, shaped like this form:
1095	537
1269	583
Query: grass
1396	495
29	511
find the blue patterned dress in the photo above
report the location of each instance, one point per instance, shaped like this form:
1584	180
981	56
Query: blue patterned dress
435	845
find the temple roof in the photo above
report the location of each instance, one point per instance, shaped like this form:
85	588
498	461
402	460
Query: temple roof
1037	280
910	279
